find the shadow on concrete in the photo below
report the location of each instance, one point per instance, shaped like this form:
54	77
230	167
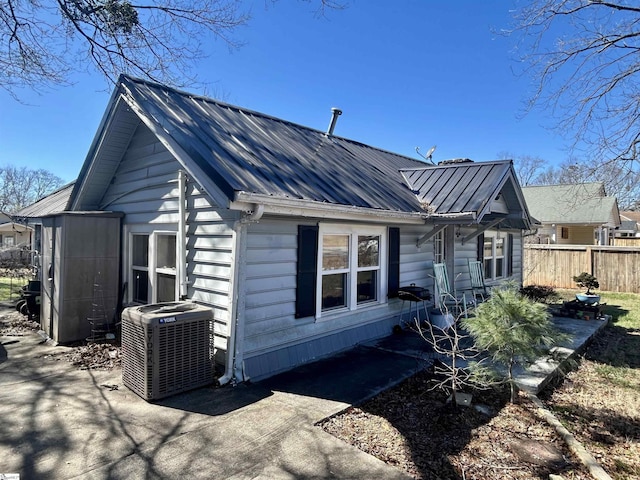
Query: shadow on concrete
62	422
358	374
216	401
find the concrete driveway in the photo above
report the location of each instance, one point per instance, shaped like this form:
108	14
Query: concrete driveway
58	422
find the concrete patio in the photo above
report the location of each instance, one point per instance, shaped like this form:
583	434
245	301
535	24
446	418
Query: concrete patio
58	422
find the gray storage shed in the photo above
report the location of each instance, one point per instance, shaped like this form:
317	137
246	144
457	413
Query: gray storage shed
81	272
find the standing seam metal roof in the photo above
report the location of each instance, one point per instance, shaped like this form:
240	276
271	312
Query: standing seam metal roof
243	151
255	153
53	203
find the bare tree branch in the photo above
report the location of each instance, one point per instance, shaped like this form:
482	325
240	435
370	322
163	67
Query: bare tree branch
585	57
41	44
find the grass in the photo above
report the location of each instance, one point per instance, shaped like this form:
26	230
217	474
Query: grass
600	401
10	287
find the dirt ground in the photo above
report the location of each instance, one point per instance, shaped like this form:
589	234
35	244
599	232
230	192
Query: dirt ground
411	427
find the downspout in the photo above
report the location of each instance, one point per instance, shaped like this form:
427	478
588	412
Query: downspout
236	323
235	354
182	235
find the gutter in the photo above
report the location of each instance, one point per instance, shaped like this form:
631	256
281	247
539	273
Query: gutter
246	201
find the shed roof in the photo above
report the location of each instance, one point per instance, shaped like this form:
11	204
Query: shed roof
53	203
572	204
248	154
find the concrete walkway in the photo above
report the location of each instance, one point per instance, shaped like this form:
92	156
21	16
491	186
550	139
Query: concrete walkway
58	422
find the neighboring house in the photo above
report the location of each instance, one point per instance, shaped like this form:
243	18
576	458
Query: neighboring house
31	215
629	225
15	242
578	214
15	235
296	238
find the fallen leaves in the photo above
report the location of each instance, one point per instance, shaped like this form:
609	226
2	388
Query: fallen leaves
95	356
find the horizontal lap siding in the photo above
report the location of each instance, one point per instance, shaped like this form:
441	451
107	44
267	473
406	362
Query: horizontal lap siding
415	263
145	188
210	245
274	339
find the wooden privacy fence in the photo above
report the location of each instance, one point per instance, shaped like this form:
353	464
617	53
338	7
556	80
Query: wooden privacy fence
616	268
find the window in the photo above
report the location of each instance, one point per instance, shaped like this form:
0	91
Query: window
494	254
140	268
165	268
439	252
351	268
153	267
564	233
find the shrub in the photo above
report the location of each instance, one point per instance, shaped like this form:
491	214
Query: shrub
513	330
586	280
540	293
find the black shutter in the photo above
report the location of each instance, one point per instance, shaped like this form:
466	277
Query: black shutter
393	280
510	255
306	270
480	253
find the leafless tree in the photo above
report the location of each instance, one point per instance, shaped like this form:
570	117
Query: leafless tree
452	344
22	186
528	168
43	43
585	55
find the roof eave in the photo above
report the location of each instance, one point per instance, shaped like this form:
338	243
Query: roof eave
246	202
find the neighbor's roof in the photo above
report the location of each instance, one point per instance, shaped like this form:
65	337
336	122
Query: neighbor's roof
53	203
574	204
630	215
249	153
628	226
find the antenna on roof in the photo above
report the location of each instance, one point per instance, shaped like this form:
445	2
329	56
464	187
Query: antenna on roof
428	156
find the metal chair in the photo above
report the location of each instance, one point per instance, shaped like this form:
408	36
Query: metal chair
478	287
447	297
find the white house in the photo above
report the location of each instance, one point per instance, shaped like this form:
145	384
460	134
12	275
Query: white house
298	239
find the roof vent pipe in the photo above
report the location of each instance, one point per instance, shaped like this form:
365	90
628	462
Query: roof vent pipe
335	113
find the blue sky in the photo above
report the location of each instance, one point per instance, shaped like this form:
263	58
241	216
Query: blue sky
405	74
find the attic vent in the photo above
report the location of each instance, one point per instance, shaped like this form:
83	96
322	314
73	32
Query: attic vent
335	113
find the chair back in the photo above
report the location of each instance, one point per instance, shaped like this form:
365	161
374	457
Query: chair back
476	272
442	280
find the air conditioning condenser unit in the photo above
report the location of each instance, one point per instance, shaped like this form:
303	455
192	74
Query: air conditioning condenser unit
166	348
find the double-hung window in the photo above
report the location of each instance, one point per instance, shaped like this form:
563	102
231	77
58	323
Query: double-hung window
351	267
494	256
140	268
153	267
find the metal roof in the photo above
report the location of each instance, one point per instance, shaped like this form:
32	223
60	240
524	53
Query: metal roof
52	203
579	204
246	152
458	188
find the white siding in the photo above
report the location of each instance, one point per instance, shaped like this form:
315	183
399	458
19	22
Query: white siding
145	188
274	339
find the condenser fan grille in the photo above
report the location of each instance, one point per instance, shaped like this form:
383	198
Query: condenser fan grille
166	352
